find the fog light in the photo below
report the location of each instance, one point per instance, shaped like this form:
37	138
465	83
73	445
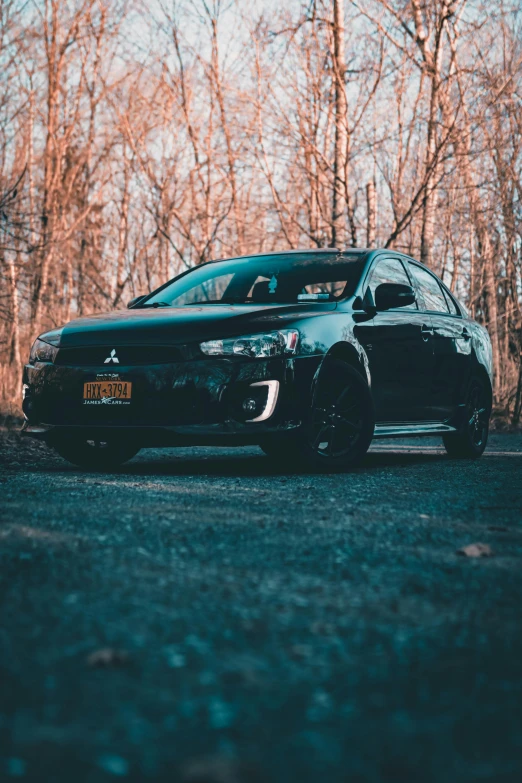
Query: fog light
249	405
26	401
271	400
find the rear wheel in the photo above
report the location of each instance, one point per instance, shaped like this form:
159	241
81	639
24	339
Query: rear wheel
96	454
471	440
340	424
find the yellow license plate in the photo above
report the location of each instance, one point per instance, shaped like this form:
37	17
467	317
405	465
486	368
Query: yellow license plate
101	390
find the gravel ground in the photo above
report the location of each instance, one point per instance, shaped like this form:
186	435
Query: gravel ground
257	625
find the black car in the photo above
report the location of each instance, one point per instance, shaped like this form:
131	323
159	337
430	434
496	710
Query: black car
309	354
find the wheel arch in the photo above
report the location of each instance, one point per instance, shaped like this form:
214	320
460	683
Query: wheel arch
349	353
481	372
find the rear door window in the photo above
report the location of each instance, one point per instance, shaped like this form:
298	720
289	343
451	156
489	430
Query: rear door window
450	302
431	290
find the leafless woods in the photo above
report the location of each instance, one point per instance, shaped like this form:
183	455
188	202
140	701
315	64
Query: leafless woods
138	138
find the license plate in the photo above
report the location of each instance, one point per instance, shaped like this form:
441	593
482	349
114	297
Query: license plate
107	390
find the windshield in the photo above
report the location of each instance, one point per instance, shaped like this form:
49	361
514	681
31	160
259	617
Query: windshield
279	279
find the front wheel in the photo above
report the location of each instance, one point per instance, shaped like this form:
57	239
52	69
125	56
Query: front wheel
471	440
95	454
339	427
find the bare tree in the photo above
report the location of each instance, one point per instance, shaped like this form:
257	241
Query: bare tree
131	152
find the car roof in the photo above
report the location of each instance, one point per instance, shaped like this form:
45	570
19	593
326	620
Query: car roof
360	251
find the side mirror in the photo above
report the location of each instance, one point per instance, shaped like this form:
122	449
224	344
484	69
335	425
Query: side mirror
391	295
135	300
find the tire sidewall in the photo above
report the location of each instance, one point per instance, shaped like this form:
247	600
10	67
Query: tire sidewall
478	450
461	444
337	368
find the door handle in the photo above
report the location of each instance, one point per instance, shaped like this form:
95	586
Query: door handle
465	334
426	332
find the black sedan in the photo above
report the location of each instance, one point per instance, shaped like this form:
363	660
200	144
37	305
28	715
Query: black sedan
309	354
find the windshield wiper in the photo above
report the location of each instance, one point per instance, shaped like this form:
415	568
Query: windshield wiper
157	304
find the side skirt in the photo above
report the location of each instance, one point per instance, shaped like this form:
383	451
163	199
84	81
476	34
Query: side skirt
408	430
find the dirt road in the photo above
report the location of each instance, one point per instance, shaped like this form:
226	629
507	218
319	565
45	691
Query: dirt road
264	626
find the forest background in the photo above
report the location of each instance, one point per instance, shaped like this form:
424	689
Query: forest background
138	139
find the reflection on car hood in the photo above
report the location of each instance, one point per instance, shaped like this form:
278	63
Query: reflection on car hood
171	325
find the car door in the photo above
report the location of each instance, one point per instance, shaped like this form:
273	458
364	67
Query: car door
399	351
451	343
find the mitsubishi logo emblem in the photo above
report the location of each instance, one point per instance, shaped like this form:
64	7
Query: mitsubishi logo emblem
112	358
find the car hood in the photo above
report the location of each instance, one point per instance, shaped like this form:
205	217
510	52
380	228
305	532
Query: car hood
178	325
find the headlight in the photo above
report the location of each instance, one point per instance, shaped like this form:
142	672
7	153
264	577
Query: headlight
45	348
257	346
42	352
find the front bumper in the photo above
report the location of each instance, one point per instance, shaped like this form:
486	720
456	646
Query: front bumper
190	402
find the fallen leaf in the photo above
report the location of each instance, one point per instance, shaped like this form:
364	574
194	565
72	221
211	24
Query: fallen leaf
107	657
475	550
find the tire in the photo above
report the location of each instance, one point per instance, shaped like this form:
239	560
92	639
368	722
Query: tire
95	454
280	448
471	439
339	427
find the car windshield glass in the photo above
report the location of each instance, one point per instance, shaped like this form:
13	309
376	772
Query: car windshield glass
279	279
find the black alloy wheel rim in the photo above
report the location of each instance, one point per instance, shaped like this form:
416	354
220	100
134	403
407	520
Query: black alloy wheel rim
477	416
337	419
97	445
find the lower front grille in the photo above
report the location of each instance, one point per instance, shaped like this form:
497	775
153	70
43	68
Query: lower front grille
126	355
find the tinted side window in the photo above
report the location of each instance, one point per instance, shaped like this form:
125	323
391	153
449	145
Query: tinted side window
389	270
451	303
431	291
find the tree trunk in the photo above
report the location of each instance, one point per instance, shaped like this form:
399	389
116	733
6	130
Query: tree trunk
231	160
371	210
517	411
51	163
14	358
339	234
430	194
461	143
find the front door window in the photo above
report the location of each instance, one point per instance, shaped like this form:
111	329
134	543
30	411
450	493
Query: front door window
389	270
